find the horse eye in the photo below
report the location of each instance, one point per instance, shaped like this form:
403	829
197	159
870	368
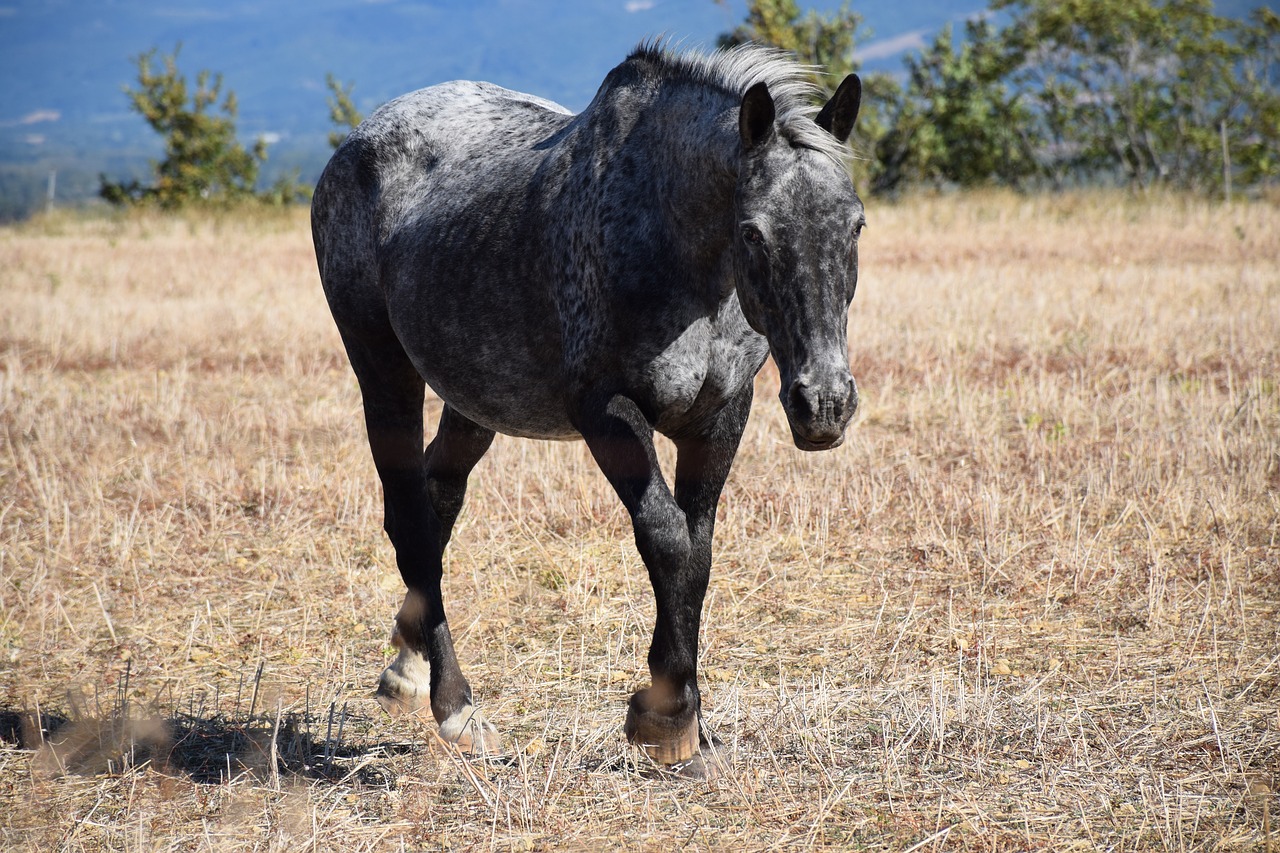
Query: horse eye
752	235
857	228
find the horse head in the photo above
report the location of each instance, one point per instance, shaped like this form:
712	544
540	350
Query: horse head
796	254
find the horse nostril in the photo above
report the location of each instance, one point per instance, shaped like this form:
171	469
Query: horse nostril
852	406
801	407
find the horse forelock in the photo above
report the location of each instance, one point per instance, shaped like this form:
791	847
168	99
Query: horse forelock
736	69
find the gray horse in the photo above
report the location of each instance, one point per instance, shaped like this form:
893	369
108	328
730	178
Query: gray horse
596	276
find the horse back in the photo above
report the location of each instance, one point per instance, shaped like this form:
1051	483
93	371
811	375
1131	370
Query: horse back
415	166
425	223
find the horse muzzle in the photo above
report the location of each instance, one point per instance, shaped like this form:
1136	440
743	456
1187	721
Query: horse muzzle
819	409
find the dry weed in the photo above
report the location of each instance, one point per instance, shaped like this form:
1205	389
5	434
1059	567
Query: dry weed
1031	604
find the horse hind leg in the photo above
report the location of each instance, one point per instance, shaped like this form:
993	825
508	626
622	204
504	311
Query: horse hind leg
422	493
458	445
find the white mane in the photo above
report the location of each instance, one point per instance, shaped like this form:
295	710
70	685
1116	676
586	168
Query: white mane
739	68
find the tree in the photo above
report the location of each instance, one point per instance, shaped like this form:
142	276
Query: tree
342	110
1147	90
819	40
1254	129
1144	91
825	42
203	161
957	121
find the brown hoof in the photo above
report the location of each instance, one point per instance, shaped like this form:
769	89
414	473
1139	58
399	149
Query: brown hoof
707	764
667	739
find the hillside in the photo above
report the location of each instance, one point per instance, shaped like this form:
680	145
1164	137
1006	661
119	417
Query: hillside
65	63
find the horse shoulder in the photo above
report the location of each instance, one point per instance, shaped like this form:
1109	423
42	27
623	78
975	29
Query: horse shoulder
691	360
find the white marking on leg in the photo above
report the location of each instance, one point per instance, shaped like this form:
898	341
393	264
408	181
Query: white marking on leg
470	732
405	686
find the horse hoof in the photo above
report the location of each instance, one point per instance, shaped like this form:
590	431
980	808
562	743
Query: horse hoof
706	764
470	733
668	740
400	697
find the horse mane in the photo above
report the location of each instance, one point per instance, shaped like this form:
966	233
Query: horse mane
735	70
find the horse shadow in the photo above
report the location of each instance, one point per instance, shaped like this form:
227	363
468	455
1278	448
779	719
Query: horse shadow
208	749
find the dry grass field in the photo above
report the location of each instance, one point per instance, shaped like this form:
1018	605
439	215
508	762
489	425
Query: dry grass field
1032	604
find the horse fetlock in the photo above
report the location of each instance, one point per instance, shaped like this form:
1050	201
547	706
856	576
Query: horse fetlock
469	732
408	630
665	729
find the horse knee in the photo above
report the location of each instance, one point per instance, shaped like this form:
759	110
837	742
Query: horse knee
662	536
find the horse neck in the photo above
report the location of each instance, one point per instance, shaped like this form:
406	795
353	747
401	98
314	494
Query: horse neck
681	143
695	135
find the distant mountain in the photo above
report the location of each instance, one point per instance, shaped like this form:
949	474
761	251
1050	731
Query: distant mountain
64	63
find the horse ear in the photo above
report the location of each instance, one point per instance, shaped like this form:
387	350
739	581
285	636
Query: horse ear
755	118
841	111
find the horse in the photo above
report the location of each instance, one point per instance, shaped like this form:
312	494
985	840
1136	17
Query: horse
598	276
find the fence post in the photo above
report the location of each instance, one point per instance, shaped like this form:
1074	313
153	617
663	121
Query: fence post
1226	163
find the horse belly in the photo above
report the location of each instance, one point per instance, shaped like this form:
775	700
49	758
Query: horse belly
499	372
475	315
528	412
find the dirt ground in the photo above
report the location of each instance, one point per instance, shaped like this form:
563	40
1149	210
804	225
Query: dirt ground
1033	603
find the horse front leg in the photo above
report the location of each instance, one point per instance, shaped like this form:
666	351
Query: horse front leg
703	461
673	536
